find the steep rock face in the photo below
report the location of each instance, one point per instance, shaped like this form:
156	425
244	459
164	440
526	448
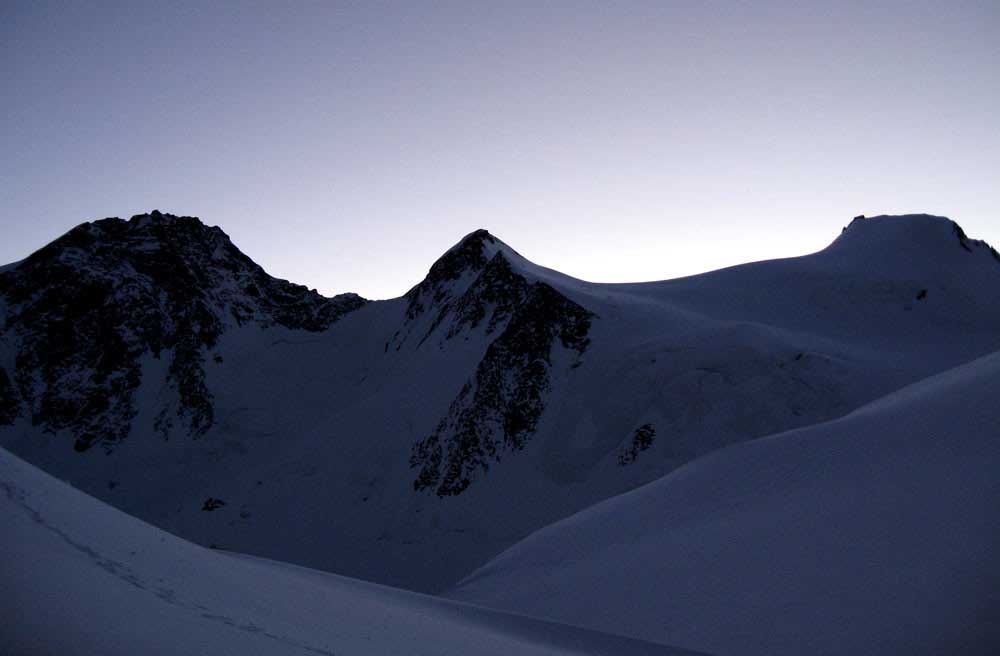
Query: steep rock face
469	256
499	407
8	399
429	303
969	244
84	310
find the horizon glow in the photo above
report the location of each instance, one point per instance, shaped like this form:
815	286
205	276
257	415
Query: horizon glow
347	146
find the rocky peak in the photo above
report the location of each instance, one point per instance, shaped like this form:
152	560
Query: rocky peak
84	309
469	254
463	261
482	285
475	277
182	257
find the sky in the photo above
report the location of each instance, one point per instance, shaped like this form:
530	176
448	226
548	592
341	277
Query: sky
346	146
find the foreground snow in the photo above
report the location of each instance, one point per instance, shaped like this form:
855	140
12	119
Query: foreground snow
79	577
876	533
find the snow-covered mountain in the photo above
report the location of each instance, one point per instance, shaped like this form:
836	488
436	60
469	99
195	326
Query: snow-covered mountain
408	441
875	533
83	578
80	313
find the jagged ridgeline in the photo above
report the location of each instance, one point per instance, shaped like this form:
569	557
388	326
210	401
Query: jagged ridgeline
499	408
88	313
83	311
494	398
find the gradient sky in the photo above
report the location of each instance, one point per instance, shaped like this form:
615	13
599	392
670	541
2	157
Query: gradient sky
345	146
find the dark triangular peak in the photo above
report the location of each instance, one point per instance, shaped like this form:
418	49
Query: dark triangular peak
469	254
88	306
479	283
458	265
483	288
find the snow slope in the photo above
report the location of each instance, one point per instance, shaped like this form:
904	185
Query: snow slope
82	578
518	393
876	533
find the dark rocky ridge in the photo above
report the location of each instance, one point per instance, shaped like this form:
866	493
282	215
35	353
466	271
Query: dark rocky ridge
471	280
83	312
468	256
499	407
84	309
969	244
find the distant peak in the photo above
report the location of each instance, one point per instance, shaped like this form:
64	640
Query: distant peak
902	227
470	254
155	235
159	219
462	262
154	221
476	239
913	233
480	233
163	229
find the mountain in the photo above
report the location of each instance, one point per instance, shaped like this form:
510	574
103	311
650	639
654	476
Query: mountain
83	310
875	533
408	441
83	578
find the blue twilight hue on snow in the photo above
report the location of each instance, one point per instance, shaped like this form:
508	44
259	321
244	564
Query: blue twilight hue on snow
788	457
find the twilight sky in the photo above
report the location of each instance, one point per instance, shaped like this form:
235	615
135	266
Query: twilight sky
345	146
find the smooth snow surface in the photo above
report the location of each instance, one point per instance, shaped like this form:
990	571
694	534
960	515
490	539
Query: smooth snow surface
78	577
878	533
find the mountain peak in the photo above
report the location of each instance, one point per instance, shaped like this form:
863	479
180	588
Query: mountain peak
909	235
149	220
471	252
464	260
108	292
184	237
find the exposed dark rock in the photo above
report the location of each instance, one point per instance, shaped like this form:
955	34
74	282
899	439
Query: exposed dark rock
466	257
498	291
211	503
474	287
83	310
963	239
969	244
499	408
642	439
860	217
922	294
446	285
9	405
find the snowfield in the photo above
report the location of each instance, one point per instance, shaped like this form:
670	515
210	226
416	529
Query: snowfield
878	533
314	433
797	456
79	577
